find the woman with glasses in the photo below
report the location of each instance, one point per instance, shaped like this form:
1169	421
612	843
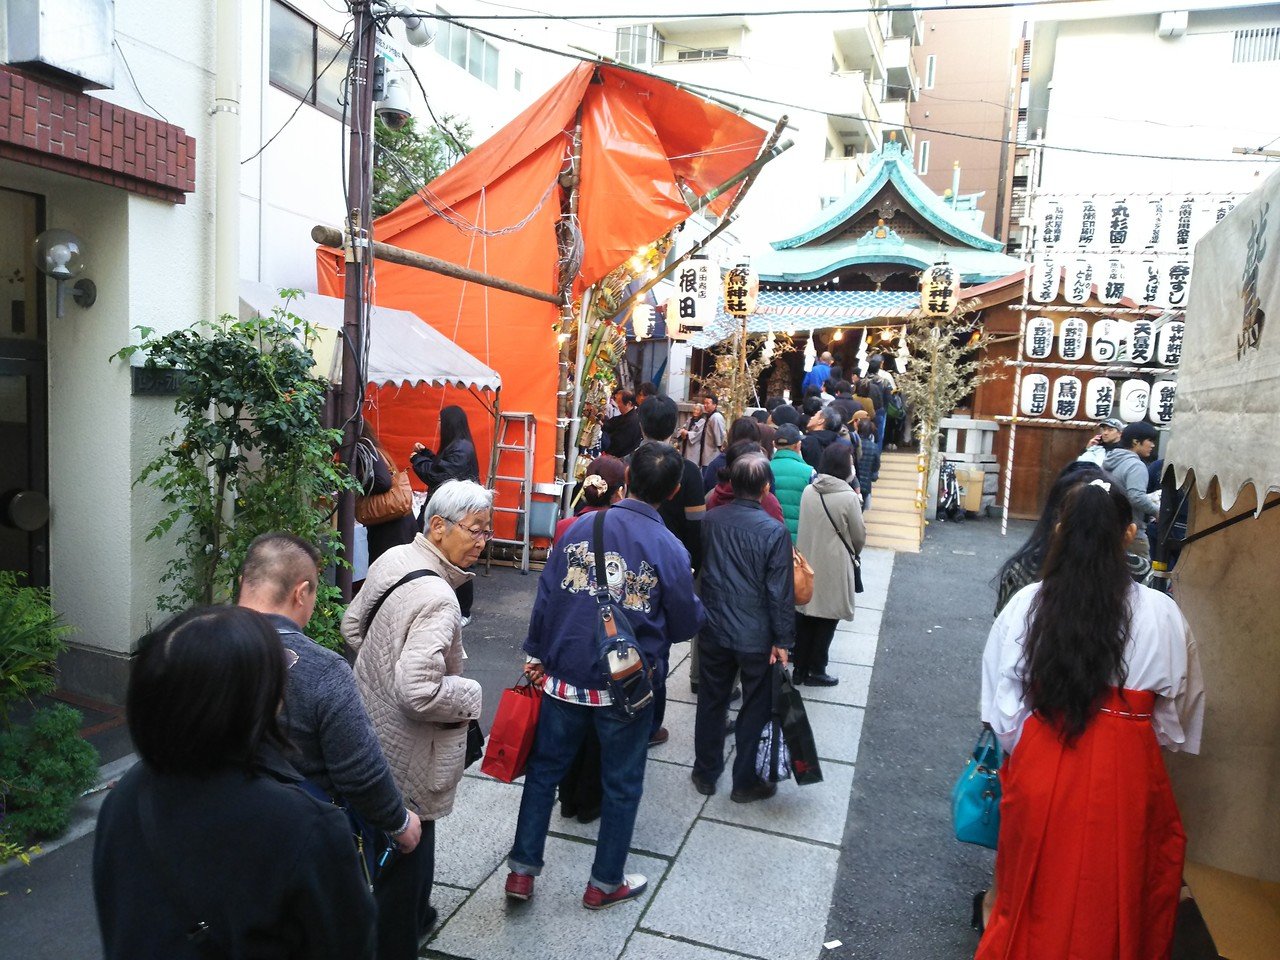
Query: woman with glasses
406	627
455	460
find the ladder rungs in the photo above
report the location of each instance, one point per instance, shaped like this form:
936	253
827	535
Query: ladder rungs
508	509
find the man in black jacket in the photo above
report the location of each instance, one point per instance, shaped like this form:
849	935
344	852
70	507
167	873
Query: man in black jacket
749	595
325	719
622	433
823	430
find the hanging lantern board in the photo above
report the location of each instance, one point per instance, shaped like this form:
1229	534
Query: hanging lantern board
1099	398
1066	397
1081	282
939	292
1160	407
1106	341
1039	338
741	288
1044	279
1142	343
1135	396
1035	394
1169	343
1072	337
694	305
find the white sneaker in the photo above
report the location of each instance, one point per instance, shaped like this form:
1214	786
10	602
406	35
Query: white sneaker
465	621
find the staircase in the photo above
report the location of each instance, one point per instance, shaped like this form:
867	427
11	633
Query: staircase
893	522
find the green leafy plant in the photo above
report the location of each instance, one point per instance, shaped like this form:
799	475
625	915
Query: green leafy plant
31	637
45	766
407	160
251	454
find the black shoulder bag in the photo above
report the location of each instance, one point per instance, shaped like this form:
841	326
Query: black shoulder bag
853	554
627	675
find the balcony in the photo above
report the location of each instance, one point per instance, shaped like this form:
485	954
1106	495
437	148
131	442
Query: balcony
849	93
908	24
841	174
893	116
903	83
860	43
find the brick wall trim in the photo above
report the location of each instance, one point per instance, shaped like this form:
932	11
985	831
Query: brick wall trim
82	136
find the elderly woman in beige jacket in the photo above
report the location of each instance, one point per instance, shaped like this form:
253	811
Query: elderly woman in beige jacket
831	528
406	627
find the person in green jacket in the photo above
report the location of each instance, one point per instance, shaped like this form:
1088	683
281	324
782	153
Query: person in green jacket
791	474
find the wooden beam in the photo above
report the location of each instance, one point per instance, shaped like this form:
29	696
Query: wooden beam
332	237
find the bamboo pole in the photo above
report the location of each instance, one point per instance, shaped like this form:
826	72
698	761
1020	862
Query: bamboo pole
332	237
565	390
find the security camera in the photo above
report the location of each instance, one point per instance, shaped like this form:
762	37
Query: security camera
419	28
395	108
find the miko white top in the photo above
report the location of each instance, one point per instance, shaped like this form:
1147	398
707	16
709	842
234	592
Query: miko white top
1161	657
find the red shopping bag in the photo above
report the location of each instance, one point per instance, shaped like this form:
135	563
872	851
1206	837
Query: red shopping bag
511	736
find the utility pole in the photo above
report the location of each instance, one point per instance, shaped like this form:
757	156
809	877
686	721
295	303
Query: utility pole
359	260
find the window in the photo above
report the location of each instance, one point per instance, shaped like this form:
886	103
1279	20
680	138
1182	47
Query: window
470	51
850	150
517	79
638	45
1256	45
930	70
924	158
829	151
713	53
306	60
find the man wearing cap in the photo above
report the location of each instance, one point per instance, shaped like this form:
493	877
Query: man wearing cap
1127	463
790	474
1102	442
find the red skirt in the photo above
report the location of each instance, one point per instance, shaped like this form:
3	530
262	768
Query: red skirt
1089	862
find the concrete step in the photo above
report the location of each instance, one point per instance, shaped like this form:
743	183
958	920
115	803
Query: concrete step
898	544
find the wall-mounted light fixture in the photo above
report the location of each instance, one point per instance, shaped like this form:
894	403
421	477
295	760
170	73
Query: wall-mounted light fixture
61	254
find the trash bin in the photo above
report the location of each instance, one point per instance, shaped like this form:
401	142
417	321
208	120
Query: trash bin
970	481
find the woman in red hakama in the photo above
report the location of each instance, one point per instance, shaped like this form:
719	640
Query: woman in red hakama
1091	844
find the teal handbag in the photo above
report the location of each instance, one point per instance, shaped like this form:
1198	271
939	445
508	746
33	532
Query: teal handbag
975	799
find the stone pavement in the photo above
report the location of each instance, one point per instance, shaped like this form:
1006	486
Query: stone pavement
749	880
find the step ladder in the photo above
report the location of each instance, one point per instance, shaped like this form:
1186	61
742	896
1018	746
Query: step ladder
517	434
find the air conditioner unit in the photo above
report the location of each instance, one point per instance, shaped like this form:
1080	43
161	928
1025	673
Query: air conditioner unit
1173	24
67	39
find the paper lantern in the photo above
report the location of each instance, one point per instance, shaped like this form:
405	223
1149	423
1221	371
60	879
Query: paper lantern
1066	397
939	290
1122	330
1111	280
1088	223
1118	222
693	308
1106	341
1079	282
1148	290
1099	398
1142	341
1160	407
1044	279
1039	338
641	321
1179	277
1169	343
741	287
1034	399
1051	217
1072	338
1135	395
1182	229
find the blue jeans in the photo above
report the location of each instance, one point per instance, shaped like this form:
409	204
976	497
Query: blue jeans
881	416
623	747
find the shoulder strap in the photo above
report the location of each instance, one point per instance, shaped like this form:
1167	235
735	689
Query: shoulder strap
200	934
840	536
597	547
377	605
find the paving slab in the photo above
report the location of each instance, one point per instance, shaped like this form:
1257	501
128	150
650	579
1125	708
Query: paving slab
757	894
679	720
553	925
851	690
667	811
853	648
650	946
837	729
446	900
865	621
475	838
812	812
678	684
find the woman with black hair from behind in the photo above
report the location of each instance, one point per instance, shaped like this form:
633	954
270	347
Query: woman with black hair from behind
1085	676
456	460
377	474
208	847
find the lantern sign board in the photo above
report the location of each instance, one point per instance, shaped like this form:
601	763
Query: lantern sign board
1072	336
694	305
1052	214
1160	409
1182	229
1039	339
1175	293
1106	341
1169	343
741	287
1135	396
1099	398
1088	223
1142	342
1080	282
939	290
1035	394
1118	223
1044	279
1149	282
1111	281
1066	397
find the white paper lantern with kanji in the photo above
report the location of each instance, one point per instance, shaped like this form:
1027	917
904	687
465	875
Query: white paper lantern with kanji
1160	407
1073	335
1146	288
1079	281
1112	277
1066	397
1088	224
693	307
1034	399
939	290
1119	223
741	288
1142	341
1044	279
1039	338
1099	398
1135	396
1169	343
1177	281
1106	341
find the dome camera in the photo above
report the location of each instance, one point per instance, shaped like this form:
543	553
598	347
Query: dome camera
395	109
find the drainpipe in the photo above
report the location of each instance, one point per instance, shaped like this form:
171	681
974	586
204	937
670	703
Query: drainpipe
226	140
955	185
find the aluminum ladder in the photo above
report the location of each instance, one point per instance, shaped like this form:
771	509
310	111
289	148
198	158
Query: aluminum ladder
517	434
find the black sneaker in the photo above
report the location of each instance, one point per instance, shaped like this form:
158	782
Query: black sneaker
704	787
821	680
761	791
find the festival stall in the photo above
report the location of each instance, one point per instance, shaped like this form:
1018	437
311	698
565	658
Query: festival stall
576	197
1224	448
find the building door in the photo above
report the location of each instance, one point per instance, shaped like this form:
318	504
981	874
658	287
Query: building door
24	418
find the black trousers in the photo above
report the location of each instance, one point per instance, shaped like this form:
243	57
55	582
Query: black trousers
717	667
466	597
403	893
813	644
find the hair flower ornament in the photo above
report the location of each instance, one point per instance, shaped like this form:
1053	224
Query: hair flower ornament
597	483
1101	483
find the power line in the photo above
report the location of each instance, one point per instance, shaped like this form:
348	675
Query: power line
134	81
704	88
649	15
462	151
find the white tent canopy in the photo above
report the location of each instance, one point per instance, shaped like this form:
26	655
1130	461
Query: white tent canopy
403	348
1227	410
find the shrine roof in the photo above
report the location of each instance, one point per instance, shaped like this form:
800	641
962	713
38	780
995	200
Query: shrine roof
815	309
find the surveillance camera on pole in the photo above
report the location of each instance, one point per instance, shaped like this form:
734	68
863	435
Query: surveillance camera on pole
419	28
395	108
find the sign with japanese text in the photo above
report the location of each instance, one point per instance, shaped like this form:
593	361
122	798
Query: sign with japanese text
741	287
1099	398
1044	279
1107	342
1169	343
1066	397
693	307
1160	407
1072	337
1142	342
1079	281
1035	394
1039	338
939	290
1135	396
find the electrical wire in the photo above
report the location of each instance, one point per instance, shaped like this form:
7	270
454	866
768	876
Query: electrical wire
681	15
134	81
462	151
706	89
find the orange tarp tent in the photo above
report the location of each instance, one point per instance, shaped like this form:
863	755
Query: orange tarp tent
496	211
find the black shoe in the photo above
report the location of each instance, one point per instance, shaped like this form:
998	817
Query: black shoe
821	680
761	791
735	694
429	921
693	686
976	920
590	815
704	787
799	678
568	810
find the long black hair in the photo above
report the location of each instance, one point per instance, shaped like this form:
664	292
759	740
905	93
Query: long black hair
1078	623
453	427
1030	556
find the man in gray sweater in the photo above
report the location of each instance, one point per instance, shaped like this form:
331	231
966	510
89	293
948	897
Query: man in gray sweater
325	718
1127	463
